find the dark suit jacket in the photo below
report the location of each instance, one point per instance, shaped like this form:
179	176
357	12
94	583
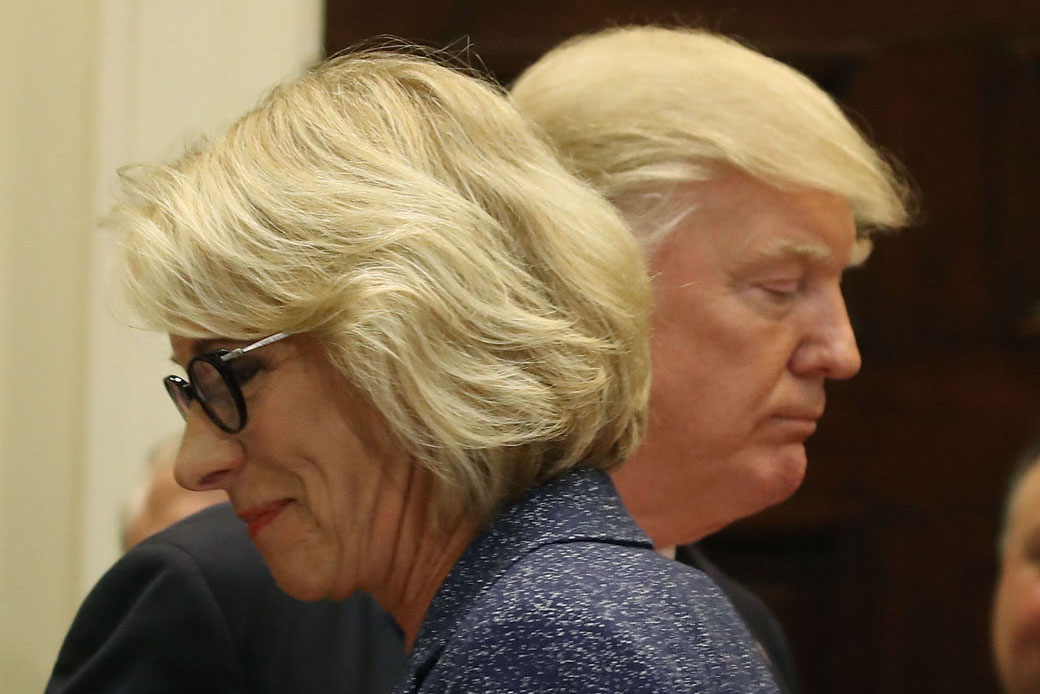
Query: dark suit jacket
194	610
564	593
753	611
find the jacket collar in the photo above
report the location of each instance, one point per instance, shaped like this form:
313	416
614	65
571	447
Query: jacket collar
579	506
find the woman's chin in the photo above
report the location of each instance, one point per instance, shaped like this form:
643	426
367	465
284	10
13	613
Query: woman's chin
300	576
304	588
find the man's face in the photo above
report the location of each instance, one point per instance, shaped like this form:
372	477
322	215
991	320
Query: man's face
748	323
1016	609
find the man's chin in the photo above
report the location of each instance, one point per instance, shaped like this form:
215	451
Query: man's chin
785	475
765	479
677	507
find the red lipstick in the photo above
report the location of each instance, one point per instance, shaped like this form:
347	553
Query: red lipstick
259	517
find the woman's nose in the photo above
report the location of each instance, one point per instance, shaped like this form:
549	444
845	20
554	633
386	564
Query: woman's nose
208	458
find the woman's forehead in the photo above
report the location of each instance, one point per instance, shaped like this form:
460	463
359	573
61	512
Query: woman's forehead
184	348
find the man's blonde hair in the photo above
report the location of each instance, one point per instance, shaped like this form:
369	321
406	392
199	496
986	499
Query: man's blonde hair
489	305
638	110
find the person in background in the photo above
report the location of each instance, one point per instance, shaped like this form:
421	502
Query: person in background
1016	602
193	609
751	195
159	502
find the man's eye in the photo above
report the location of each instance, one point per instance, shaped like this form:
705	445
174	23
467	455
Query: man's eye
781	289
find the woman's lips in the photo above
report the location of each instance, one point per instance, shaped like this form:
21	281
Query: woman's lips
259	517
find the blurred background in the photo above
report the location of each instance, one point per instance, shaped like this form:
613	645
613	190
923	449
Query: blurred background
87	86
880	568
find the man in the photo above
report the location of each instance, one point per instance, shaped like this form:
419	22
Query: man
1016	604
752	193
193	609
747	229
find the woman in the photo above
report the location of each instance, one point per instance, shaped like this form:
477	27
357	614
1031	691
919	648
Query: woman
412	345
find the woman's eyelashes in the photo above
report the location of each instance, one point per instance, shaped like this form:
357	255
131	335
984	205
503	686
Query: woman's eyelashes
244	369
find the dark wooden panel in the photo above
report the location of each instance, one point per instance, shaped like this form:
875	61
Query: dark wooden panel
433	22
914	456
514	34
821	586
881	567
923	102
1015	188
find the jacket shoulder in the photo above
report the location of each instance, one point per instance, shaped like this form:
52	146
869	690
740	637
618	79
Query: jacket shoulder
596	617
151	623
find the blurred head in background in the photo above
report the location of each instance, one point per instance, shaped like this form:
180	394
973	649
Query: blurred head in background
1016	607
158	501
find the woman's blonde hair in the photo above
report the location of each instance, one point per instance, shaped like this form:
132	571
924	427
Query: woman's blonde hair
638	110
488	304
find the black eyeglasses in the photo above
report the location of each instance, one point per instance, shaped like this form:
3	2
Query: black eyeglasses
214	383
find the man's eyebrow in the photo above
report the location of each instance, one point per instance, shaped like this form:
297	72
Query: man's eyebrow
786	249
789	250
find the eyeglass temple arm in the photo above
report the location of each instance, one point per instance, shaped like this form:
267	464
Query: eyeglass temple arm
236	353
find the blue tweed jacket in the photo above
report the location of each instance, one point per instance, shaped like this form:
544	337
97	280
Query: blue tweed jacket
563	593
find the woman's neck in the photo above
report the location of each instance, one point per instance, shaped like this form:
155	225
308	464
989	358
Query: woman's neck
423	553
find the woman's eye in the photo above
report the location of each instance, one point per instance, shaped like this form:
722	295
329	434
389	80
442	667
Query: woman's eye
245	369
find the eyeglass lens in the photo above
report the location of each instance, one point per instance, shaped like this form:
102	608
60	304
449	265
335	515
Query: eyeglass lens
214	393
177	388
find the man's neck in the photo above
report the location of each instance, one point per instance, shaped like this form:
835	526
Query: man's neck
668	551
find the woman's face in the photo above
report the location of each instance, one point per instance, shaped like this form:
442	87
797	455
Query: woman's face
315	474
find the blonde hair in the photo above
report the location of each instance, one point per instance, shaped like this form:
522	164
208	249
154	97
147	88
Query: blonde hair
639	110
489	305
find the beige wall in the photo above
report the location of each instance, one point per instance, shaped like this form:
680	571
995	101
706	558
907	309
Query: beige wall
45	169
88	85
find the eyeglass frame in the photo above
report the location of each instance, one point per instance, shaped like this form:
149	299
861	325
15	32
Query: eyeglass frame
219	361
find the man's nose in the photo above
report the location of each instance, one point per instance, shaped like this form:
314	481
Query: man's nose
208	458
829	348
